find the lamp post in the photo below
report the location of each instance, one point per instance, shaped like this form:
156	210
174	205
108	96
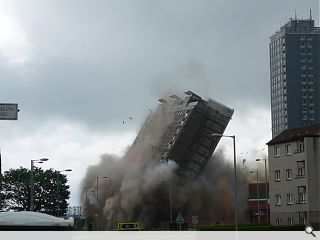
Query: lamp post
58	188
86	206
266	184
31	180
170	199
235	176
257	194
97	191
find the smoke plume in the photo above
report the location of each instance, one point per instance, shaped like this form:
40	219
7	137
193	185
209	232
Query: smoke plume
138	186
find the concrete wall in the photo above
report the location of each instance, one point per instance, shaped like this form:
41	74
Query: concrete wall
312	151
311	181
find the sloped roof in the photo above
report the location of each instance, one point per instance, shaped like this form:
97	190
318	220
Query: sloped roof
296	133
26	218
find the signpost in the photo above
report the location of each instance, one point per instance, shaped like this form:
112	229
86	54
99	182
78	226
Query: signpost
9	111
194	221
179	221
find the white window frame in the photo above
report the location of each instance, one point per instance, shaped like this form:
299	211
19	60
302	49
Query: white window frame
289	199
277	175
289	174
278	222
301	169
302	198
290	221
287	149
303	220
277	152
278	199
302	172
300	147
302	194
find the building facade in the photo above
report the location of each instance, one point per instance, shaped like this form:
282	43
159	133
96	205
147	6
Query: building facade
294	170
188	139
258	202
294	75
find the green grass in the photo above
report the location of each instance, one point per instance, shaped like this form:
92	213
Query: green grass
249	227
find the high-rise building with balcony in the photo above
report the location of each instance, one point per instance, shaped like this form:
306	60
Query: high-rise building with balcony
294	75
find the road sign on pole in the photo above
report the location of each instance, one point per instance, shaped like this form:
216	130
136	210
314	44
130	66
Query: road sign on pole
194	221
9	111
179	221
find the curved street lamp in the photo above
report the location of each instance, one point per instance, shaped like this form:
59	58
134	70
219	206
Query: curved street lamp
97	191
257	194
266	184
58	187
41	160
235	176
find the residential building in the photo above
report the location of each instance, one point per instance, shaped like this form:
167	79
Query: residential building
294	75
294	177
188	139
257	201
187	125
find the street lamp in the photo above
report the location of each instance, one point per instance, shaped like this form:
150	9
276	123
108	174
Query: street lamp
86	206
31	180
58	187
235	175
169	198
98	177
266	184
257	194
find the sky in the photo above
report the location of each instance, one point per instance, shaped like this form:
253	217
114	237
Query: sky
78	69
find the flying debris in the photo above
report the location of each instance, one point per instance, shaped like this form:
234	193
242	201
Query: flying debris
130	118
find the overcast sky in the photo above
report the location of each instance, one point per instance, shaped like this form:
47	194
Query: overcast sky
79	68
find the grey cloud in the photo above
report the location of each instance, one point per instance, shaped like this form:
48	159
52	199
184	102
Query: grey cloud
99	61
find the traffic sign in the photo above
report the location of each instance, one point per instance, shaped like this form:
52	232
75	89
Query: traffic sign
134	226
9	111
179	218
195	219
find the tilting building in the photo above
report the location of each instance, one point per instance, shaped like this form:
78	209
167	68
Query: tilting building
188	139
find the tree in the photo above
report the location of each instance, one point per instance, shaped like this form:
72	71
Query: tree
50	191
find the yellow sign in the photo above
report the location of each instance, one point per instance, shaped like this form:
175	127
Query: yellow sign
133	226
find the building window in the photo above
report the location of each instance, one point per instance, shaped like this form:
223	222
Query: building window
303	218
301	169
289	198
311	116
300	147
289	174
278	222
302	195
278	199
277	176
277	151
288	149
290	221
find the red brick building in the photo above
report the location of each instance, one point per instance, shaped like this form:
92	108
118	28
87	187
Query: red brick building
257	202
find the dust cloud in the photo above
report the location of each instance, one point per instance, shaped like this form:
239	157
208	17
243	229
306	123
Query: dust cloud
138	186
